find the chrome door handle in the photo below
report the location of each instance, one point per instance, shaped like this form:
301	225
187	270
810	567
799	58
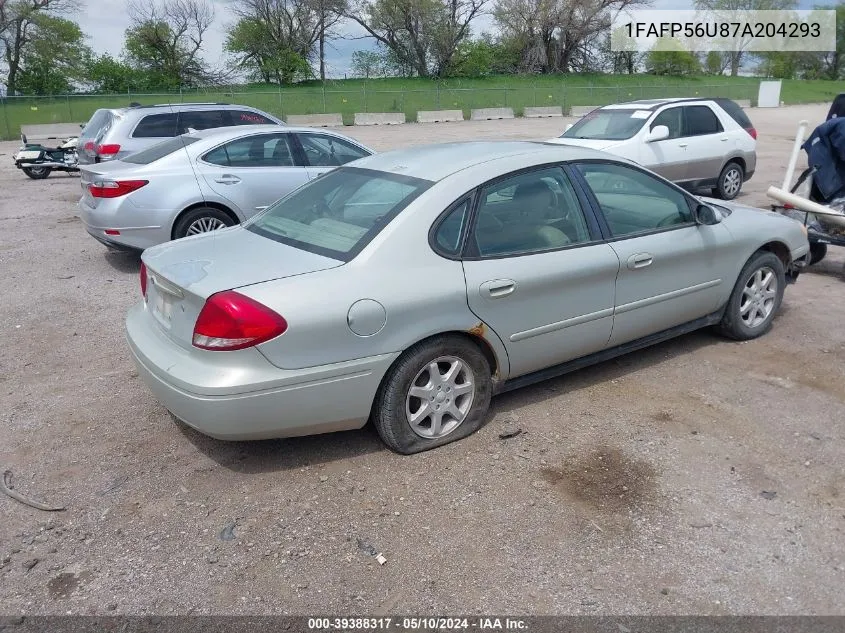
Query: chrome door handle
227	179
262	208
640	260
724	139
497	288
682	144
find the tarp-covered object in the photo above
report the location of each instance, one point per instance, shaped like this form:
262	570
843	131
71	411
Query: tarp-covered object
826	153
837	108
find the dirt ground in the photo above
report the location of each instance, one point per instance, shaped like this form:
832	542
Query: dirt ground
700	476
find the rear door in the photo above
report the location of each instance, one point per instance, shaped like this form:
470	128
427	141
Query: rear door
672	270
536	269
707	143
324	152
669	156
253	171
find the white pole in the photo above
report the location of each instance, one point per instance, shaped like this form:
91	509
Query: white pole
830	215
793	158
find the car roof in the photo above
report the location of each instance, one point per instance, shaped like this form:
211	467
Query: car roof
213	136
436	162
179	107
653	104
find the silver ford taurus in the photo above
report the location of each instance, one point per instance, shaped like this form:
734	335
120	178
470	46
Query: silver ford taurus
410	287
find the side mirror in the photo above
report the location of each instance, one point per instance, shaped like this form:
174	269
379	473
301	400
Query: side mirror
705	214
568	127
659	133
23	139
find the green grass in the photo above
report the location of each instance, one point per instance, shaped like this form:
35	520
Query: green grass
409	95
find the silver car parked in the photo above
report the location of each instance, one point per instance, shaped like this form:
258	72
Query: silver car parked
411	286
204	181
113	133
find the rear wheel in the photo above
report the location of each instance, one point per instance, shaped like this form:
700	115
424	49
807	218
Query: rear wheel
756	298
201	220
437	392
817	252
730	181
37	173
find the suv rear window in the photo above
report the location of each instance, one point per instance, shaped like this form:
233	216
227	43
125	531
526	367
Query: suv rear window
157	126
159	150
246	117
101	120
736	112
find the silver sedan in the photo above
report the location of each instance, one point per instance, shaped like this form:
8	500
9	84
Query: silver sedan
204	181
409	287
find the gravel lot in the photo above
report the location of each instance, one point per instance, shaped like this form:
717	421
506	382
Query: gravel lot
700	476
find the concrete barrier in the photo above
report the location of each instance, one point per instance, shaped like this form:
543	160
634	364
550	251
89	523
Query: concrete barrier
439	116
50	131
487	114
315	120
542	112
581	110
743	103
379	118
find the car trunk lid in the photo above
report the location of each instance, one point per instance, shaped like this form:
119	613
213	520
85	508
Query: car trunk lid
182	274
89	174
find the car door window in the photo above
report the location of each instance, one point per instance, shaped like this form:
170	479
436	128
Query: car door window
323	150
201	120
701	120
447	236
246	117
263	150
633	201
156	126
529	212
672	119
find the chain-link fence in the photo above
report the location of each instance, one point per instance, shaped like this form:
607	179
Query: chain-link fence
17	111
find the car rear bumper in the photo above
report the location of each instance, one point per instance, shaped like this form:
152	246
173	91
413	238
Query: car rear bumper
109	216
240	395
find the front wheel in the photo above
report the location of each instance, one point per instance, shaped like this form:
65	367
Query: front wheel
37	173
201	220
437	392
756	298
730	181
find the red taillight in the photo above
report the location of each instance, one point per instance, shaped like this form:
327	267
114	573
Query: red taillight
752	132
107	151
115	188
230	321
89	146
143	281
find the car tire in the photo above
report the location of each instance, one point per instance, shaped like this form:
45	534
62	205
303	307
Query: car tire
201	220
730	181
756	298
399	415
818	251
37	173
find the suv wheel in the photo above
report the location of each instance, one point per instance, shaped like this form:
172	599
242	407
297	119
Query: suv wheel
730	181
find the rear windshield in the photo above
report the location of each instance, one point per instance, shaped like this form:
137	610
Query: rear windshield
159	150
736	112
100	121
608	125
338	213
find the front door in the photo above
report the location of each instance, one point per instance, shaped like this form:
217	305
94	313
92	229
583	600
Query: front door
537	271
253	172
672	270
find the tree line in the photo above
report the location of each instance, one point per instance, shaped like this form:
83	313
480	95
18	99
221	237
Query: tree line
285	41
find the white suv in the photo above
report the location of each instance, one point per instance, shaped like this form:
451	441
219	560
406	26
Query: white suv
696	143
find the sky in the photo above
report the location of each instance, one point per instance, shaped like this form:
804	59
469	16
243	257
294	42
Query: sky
104	21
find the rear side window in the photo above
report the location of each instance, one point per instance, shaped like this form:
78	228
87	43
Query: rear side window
701	120
323	150
263	150
157	126
245	117
735	112
201	120
159	150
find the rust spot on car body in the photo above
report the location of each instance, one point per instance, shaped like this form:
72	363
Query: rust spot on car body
478	330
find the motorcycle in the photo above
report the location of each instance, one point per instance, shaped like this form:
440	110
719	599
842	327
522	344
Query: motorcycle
37	161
